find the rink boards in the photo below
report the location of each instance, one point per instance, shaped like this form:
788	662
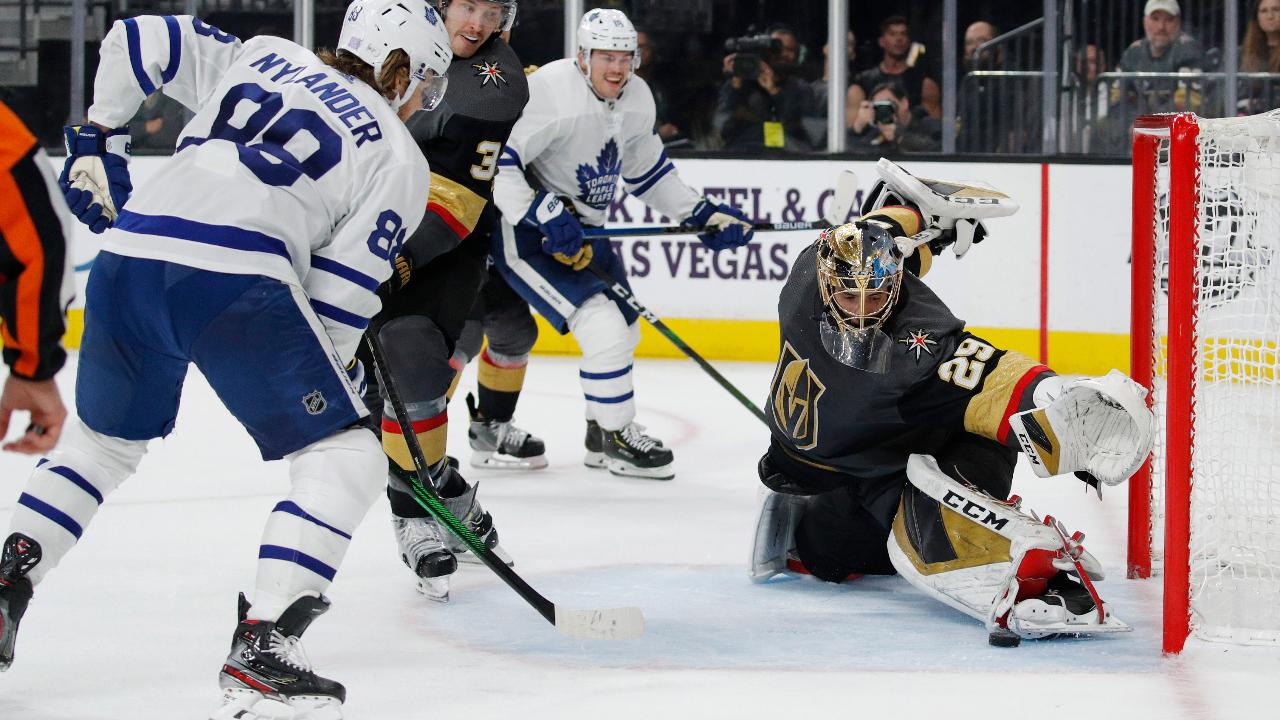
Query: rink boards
1051	280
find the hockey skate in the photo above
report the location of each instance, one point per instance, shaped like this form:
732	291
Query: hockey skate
502	445
467	510
267	664
19	555
628	452
423	550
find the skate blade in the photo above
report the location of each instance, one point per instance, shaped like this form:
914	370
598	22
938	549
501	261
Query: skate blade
316	707
434	589
1070	626
487	460
595	460
623	469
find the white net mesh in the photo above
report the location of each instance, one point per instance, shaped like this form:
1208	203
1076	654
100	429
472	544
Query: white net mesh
1235	495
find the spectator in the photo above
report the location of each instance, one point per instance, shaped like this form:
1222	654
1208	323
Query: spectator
975	36
1164	49
763	104
1089	99
816	120
158	123
669	129
1261	53
895	43
907	129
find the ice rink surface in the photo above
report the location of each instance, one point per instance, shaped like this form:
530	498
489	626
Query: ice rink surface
136	621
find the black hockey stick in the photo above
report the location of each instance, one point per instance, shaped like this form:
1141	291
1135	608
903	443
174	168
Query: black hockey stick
593	232
622	294
606	624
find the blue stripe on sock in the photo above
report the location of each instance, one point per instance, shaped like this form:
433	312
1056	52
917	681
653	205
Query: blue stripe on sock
275	552
291	508
611	400
52	513
605	375
77	480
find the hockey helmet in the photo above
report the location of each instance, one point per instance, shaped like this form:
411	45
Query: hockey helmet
372	29
606	30
505	24
859	274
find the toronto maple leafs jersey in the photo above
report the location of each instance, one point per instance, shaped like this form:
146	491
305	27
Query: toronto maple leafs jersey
834	421
289	169
463	139
571	143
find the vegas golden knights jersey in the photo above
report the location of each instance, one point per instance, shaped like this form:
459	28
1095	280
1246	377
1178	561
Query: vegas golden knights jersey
832	422
462	139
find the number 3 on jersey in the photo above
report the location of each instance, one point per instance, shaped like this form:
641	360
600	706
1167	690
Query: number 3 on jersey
965	369
488	151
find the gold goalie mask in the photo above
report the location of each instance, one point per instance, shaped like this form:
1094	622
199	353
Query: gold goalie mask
859	280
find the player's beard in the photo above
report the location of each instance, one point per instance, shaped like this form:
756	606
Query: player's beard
866	349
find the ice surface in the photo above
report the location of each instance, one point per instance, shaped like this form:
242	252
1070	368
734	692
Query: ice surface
136	621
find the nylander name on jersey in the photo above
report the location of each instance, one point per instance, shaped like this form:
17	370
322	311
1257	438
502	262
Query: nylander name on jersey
338	99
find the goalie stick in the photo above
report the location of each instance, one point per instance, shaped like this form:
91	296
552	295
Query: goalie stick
607	624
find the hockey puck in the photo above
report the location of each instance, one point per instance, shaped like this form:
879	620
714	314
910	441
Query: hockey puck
1004	637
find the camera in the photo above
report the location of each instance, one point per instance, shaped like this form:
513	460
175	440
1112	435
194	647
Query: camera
751	51
886	112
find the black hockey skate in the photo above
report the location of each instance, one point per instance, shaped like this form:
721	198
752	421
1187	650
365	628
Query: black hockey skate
19	555
423	550
502	445
628	452
267	662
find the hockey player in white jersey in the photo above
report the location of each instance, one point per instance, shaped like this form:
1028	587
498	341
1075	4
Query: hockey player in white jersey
590	121
254	253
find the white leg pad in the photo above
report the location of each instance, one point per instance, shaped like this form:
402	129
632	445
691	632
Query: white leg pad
608	352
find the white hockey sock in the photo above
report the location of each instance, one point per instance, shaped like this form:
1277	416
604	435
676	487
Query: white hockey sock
608	353
334	482
66	489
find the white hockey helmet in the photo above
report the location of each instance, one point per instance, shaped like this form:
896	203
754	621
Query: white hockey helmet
372	29
508	11
606	30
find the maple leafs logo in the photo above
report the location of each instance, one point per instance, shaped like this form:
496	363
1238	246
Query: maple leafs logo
597	184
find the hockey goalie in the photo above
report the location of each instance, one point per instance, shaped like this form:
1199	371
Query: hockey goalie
895	431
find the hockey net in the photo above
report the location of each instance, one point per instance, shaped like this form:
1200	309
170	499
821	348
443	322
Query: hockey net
1205	513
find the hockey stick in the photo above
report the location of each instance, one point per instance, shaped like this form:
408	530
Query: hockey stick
607	624
846	192
622	294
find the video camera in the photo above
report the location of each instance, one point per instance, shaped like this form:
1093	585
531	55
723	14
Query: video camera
751	52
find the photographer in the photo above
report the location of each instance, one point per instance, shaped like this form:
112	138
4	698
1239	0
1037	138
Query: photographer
895	125
762	104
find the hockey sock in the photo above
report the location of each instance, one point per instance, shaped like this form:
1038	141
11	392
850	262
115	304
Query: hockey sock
457	362
501	378
431	431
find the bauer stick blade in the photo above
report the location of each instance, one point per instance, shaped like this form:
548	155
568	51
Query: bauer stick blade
842	201
610	624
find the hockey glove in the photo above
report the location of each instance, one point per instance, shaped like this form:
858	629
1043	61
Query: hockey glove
95	178
562	236
355	373
732	228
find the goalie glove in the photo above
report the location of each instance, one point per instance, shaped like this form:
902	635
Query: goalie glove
95	178
1096	425
952	213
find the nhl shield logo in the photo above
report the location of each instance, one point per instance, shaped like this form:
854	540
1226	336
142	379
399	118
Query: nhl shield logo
796	390
314	402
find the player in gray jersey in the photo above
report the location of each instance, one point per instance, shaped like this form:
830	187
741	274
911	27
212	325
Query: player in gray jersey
895	430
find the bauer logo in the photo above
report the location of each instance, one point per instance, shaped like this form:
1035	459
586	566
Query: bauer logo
314	402
973	510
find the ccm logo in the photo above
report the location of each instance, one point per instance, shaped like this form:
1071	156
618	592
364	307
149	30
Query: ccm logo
1028	449
971	509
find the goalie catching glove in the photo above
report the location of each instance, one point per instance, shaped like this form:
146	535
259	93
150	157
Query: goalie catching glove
1096	425
95	178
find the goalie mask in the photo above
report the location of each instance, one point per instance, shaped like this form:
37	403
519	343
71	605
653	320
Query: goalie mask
859	277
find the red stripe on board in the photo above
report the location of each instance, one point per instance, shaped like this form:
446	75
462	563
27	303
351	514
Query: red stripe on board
1044	262
1015	398
389	425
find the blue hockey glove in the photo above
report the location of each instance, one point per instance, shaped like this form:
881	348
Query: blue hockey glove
355	373
95	178
733	228
562	236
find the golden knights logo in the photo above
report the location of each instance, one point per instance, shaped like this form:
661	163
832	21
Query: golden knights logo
796	390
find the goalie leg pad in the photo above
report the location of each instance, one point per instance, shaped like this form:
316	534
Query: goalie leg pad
1099	425
990	560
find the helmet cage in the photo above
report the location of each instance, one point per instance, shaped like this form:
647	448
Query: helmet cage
859	275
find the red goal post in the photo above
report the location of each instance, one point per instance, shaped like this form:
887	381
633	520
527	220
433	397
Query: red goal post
1204	513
